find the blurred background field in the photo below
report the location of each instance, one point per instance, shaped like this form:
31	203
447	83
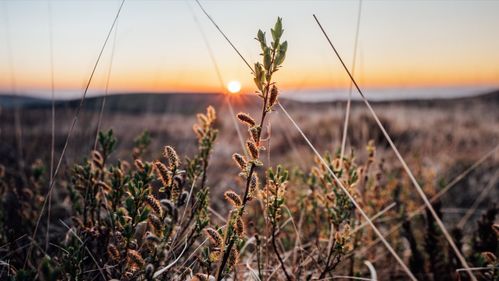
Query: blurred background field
442	137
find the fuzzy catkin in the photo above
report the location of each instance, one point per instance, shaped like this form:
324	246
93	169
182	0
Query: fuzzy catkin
162	173
214	236
233	198
113	252
252	149
154	204
239	226
135	259
273	96
240	161
246	119
171	155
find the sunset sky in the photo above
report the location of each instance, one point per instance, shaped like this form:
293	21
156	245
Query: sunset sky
160	48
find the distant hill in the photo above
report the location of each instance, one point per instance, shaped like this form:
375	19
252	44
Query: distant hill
8	101
132	103
187	103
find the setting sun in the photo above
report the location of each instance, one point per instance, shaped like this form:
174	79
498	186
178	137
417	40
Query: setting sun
234	87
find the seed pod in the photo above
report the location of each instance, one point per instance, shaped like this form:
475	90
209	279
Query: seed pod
149	271
119	236
133	245
255	133
170	154
215	255
495	227
489	257
162	173
167	221
211	113
246	119
182	199
252	149
200	277
113	252
202	119
214	236
154	204
198	131
167	205
239	226
179	180
371	149
103	185
97	159
273	96
240	161
175	193
135	260
27	193
233	257
253	184
140	231
124	166
233	198
139	164
155	222
151	238
336	164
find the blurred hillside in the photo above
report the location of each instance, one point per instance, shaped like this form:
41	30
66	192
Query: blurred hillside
442	137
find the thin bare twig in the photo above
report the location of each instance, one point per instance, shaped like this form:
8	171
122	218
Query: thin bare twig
402	161
71	128
349	101
106	91
477	202
399	260
52	140
83	244
361	211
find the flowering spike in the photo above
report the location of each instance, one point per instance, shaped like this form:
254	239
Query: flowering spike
135	260
154	204
252	149
162	173
233	198
170	154
240	161
214	236
246	119
239	226
273	96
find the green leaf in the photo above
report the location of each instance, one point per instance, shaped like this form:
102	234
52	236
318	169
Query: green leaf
267	60
271	174
259	76
261	38
283	47
128	231
278	29
281	54
121	218
130	205
143	216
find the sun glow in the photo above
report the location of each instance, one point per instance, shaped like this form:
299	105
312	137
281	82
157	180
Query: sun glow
234	87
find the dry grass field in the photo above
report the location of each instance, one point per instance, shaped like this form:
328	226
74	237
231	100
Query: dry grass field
249	187
440	139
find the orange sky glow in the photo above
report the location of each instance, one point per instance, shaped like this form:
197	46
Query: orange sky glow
158	46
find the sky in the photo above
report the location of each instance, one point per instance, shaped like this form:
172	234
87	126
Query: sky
158	45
